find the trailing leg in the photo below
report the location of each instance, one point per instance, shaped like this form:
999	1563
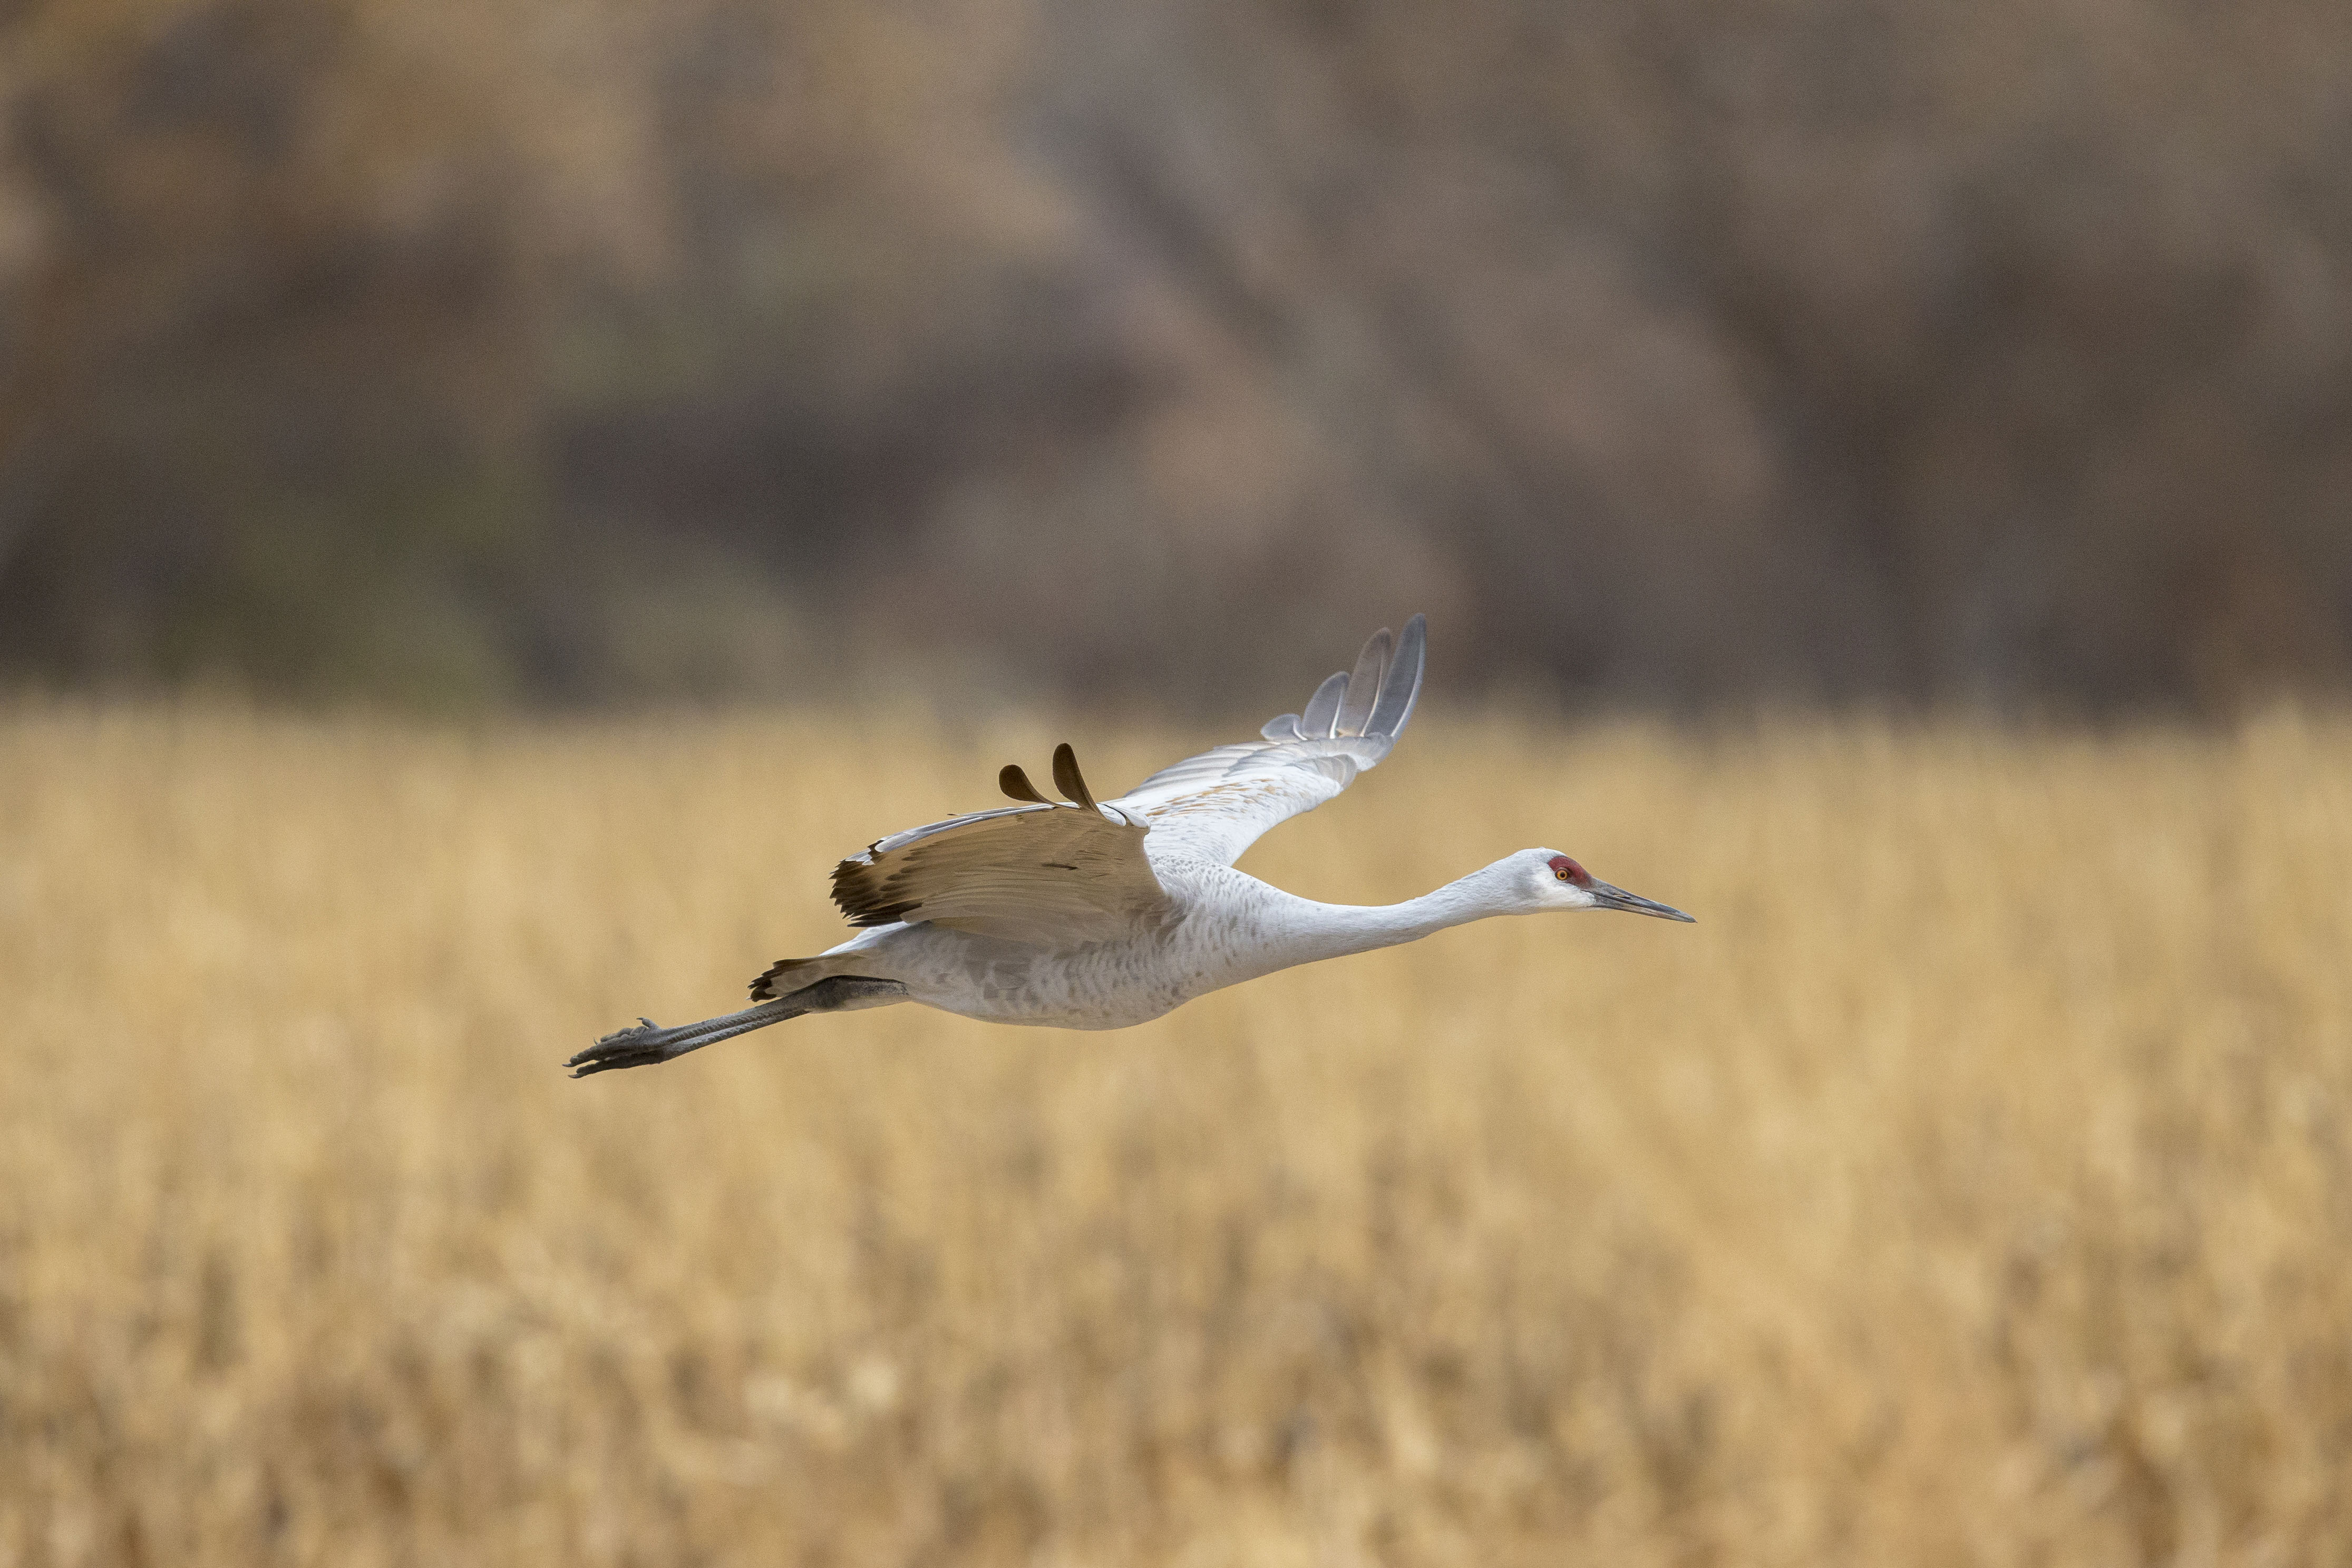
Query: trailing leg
646	1043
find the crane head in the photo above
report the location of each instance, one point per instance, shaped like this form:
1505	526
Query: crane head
1562	883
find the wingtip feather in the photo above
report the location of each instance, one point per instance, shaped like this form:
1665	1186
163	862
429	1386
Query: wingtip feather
1068	779
1401	687
1315	724
1016	786
1364	683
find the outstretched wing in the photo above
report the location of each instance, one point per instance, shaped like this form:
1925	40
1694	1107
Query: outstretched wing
1216	804
1043	872
1050	871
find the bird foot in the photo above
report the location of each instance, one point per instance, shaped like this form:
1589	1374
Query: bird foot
642	1044
648	1044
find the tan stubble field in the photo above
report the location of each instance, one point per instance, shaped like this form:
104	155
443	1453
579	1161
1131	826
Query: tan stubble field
1971	1186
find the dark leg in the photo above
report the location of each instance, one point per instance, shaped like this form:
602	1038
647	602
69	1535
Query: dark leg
648	1044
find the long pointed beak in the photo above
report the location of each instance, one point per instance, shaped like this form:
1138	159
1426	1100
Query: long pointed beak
1608	897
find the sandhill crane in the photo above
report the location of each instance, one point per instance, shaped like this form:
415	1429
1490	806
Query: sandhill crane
1079	914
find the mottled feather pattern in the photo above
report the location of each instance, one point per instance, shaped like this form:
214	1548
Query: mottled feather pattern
1032	873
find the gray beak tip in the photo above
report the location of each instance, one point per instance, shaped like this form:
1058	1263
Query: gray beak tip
1635	903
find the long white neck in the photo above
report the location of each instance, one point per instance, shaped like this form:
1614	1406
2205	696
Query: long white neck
1303	931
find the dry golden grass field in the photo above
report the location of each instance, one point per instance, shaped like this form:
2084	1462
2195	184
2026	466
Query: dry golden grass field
1972	1186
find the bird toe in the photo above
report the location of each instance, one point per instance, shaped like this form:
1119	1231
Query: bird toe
622	1047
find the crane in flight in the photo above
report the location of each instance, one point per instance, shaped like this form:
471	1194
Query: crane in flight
1074	914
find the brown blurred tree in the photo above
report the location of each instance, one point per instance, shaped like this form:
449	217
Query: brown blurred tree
1678	353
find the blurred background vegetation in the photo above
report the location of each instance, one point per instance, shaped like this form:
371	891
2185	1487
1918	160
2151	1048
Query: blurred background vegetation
1682	354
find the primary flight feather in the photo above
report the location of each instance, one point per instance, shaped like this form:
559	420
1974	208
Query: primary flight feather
1084	914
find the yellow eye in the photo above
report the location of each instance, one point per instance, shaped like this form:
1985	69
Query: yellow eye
1561	874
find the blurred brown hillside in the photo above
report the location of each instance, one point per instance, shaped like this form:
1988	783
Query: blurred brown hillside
1678	352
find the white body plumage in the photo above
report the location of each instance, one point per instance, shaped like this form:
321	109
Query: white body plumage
1221	927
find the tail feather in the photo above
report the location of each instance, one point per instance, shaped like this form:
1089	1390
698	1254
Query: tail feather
786	976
